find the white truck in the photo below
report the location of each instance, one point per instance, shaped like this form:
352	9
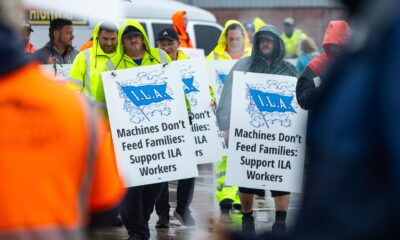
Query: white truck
154	15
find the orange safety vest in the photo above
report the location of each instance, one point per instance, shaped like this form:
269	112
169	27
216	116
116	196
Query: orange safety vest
54	167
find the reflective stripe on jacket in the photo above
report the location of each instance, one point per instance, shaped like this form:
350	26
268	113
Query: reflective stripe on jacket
151	56
54	166
87	79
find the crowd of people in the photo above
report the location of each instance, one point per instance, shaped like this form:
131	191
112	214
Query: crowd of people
84	178
262	49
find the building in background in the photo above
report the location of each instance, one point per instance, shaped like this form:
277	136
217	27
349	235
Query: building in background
312	16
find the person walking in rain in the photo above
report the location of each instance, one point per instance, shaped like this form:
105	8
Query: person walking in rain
88	64
267	57
133	50
232	44
168	41
335	41
85	74
55	168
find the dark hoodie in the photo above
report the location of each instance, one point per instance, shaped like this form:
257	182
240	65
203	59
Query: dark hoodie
307	89
255	63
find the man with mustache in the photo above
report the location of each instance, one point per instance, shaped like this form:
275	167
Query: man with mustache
267	57
232	45
133	50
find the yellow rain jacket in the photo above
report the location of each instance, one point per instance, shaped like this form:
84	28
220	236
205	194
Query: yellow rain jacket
85	71
219	52
223	192
151	56
292	45
182	56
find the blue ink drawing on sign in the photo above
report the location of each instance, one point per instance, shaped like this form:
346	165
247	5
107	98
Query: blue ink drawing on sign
191	86
221	77
188	85
146	96
271	103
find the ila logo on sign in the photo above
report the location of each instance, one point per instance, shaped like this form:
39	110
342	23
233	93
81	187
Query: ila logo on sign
146	95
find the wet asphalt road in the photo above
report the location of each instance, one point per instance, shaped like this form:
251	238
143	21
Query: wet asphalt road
206	212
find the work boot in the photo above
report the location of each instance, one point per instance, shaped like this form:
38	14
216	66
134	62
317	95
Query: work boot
186	218
279	228
163	221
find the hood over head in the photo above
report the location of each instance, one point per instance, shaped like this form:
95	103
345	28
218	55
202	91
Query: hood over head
180	29
96	45
95	35
177	20
135	24
271	30
337	33
221	45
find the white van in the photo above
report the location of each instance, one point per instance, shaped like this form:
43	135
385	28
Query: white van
154	15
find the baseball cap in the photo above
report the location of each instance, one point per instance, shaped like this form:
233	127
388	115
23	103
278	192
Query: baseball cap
131	31
289	21
168	33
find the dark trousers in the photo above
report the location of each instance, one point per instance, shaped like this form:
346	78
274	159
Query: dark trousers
137	207
184	196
